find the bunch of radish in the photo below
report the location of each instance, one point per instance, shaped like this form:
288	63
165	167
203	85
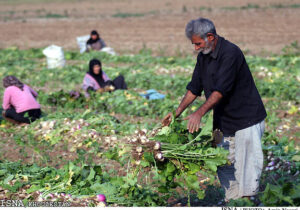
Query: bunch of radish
70	129
74	131
278	163
140	143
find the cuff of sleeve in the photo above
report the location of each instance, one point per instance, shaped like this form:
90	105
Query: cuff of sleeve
193	90
220	90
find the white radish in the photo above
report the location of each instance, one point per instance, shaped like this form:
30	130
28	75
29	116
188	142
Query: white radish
143	139
107	139
139	149
159	157
40	199
157	146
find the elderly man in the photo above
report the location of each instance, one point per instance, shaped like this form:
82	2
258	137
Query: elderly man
222	72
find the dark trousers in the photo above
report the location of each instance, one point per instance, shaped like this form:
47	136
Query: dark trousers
119	83
32	115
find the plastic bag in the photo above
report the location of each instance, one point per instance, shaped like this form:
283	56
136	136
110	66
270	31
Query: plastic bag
81	42
108	50
55	56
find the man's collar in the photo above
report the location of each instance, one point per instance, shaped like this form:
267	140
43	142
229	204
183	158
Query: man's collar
214	53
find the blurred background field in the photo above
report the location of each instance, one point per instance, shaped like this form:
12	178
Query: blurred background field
129	25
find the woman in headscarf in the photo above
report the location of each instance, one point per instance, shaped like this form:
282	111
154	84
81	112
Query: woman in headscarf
96	79
19	101
95	42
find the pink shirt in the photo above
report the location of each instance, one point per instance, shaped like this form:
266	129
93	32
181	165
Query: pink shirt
21	100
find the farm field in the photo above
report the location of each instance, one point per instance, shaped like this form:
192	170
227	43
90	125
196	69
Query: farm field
86	147
113	143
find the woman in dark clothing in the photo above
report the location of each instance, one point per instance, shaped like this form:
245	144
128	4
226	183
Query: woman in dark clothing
97	80
95	42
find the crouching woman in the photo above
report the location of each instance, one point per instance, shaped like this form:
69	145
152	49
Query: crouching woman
19	102
97	80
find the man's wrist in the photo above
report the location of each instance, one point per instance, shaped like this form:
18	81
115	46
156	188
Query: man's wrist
200	112
177	112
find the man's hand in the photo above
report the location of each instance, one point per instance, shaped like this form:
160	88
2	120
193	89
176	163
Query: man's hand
188	98
193	122
167	119
195	118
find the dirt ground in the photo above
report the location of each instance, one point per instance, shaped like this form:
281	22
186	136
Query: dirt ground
257	27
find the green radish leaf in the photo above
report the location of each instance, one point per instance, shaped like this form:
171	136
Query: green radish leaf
166	130
190	137
211	165
207	128
192	182
163	189
106	188
296	158
91	175
200	194
9	178
193	168
82	183
3	172
98	170
148	156
183	147
170	167
174	138
144	163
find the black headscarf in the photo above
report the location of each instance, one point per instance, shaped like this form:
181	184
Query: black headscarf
97	77
91	41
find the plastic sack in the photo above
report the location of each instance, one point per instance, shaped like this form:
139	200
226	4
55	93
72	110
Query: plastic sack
108	50
81	42
55	56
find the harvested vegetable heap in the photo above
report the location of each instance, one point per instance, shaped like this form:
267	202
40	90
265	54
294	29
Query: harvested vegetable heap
181	159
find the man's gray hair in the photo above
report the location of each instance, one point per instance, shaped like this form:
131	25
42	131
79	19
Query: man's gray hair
200	27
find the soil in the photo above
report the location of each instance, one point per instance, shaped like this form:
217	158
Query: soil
257	27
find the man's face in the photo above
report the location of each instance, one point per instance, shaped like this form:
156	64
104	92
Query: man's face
94	37
202	45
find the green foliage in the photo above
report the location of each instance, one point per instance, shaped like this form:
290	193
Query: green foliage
78	180
287	194
240	202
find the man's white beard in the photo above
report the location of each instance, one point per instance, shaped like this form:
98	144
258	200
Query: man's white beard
207	49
